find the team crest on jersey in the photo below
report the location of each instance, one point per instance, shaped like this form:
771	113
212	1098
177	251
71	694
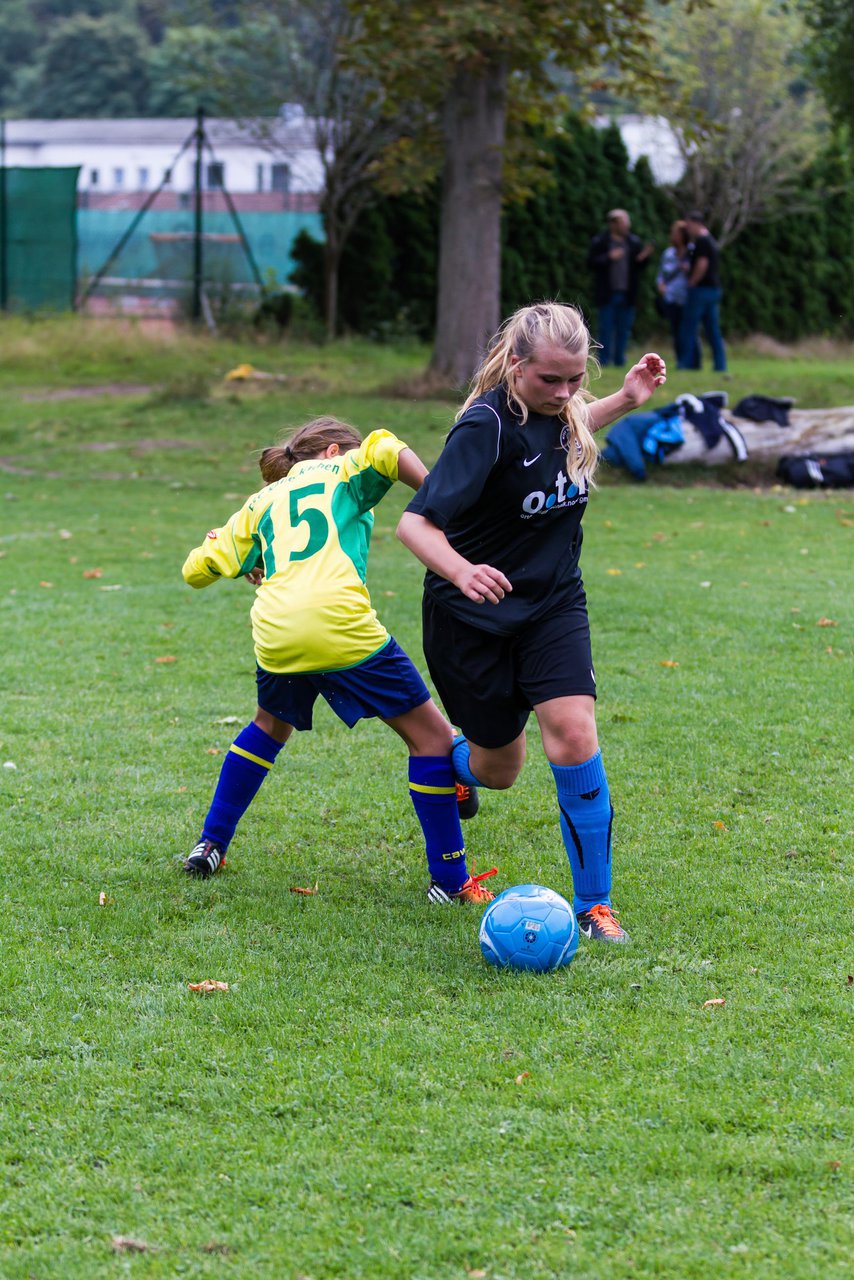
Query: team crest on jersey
212	533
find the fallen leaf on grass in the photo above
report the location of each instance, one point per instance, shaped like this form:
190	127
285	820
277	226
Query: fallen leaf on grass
668	662
125	1244
477	1274
65	534
720	826
713	1004
214	751
827	622
167	657
308	892
93	573
614	573
851	980
207	986
834	1165
45	584
228	720
216	1246
525	1075
105	900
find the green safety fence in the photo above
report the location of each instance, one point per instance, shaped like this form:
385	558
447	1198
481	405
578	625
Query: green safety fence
38	238
161	248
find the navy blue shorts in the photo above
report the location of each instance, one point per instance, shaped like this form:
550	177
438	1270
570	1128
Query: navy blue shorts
489	683
385	685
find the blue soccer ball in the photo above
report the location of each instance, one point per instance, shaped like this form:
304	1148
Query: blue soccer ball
529	927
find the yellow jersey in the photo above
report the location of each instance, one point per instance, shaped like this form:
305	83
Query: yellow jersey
310	531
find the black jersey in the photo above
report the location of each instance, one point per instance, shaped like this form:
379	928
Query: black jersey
501	495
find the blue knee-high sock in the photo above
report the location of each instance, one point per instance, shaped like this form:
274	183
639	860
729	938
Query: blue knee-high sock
586	816
248	761
434	796
460	761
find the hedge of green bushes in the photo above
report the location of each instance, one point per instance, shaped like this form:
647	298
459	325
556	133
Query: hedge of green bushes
789	278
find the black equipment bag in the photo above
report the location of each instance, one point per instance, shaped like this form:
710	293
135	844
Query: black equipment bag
813	471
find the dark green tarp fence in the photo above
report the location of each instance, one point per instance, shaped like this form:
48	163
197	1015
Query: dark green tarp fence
39	256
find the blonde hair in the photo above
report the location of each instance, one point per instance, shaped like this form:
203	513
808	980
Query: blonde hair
309	441
520	336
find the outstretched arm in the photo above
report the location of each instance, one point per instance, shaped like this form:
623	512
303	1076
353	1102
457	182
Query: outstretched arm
410	469
478	582
638	385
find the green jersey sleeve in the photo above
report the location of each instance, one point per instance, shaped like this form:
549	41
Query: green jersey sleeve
371	470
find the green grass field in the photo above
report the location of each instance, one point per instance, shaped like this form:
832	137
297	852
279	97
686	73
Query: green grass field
369	1098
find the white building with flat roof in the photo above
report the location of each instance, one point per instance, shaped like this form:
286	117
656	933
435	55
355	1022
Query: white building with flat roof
653	137
122	156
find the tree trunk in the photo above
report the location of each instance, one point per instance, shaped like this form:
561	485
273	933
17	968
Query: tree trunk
331	268
809	431
467	311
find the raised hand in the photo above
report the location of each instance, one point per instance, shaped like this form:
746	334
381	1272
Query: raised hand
643	378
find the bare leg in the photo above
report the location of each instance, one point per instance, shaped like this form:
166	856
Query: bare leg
425	730
498	767
568	729
280	730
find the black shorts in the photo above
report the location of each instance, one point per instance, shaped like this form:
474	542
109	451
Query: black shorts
489	683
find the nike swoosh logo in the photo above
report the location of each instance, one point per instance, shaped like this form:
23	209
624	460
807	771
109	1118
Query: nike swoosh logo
588	932
529	462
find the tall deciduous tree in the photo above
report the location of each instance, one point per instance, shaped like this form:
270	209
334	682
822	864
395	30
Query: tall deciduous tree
468	76
287	52
88	66
831	23
747	121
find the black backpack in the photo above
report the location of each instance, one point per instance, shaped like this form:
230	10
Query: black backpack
811	471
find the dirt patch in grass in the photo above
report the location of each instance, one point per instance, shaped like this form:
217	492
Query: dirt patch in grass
82	393
148	445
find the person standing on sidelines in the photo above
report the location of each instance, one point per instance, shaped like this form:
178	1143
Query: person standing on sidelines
498	525
702	306
616	257
303	541
672	279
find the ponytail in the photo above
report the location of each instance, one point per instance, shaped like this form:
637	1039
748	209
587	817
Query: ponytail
309	441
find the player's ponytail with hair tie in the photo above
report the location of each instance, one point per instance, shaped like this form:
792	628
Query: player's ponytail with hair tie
307	442
275	463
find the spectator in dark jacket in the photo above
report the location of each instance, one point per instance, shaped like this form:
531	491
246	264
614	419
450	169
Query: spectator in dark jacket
616	257
704	296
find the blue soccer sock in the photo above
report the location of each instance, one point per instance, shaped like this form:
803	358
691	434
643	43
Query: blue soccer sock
586	816
434	795
248	761
460	760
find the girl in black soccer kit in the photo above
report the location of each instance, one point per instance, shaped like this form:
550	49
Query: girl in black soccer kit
498	524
